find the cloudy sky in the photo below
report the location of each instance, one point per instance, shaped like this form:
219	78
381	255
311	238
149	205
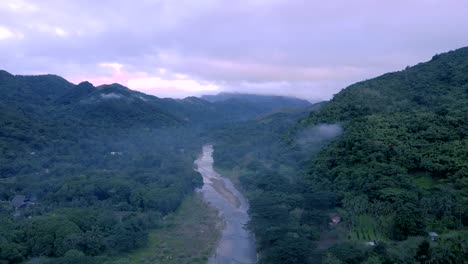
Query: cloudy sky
175	48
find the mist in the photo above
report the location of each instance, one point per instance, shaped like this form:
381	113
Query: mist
315	136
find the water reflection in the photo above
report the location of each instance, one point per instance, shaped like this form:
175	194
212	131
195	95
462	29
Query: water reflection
236	244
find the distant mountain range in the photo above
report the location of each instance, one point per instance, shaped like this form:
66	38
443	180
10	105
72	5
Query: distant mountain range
270	102
51	96
395	176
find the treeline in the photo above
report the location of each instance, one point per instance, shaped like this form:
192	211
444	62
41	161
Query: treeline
90	196
397	173
286	217
86	171
402	161
78	190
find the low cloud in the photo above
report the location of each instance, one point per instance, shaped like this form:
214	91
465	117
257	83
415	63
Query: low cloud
154	83
6	33
160	83
309	49
111	96
316	135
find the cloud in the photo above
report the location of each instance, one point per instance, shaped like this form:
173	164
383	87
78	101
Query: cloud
6	33
116	67
111	96
312	138
160	82
18	6
155	83
60	32
310	49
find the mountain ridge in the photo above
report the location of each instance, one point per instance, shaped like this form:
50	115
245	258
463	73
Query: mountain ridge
387	157
53	95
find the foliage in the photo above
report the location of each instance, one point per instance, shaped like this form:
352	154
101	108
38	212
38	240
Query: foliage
400	165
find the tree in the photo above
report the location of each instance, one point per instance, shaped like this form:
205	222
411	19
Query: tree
293	250
12	252
408	221
423	254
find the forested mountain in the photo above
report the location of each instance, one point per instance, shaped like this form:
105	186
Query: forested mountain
86	171
50	96
265	101
401	167
377	175
252	104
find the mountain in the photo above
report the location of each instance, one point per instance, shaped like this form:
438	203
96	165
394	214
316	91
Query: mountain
116	105
376	175
98	167
438	84
385	161
263	103
52	97
401	165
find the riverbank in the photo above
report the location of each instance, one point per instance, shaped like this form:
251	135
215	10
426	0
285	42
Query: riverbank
237	244
188	236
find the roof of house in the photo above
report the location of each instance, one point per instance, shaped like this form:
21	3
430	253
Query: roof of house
18	200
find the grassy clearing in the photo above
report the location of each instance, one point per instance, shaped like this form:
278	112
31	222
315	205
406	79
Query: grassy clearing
366	229
189	236
425	182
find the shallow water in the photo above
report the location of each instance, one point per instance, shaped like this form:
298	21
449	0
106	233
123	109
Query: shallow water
237	245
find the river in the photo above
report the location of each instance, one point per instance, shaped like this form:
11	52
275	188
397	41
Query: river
237	245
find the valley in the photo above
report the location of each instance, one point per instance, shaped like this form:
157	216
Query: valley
109	175
237	244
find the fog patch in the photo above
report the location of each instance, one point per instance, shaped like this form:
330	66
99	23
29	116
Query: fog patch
111	96
142	98
316	135
89	101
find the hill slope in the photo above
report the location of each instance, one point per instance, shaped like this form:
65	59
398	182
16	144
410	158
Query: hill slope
50	96
402	162
251	104
397	171
86	171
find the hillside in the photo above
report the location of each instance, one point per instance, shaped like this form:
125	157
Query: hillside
252	104
402	160
52	97
386	155
49	97
363	178
86	172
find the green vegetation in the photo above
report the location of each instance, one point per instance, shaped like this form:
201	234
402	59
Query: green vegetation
187	236
366	228
398	171
93	199
402	160
88	174
268	171
88	184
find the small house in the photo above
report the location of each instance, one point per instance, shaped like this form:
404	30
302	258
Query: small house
371	243
18	201
433	235
335	219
